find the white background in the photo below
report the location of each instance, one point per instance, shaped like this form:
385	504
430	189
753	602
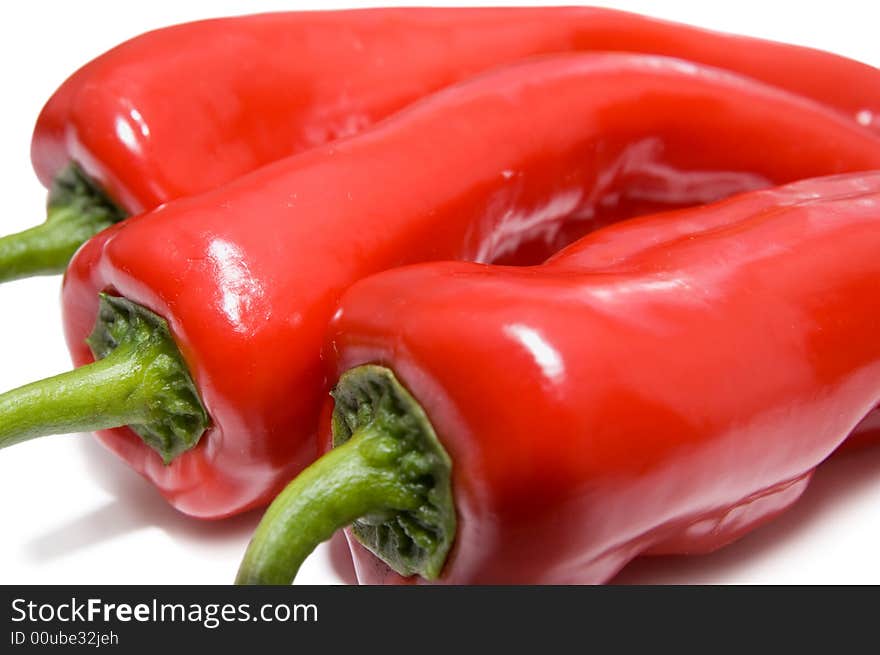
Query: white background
72	513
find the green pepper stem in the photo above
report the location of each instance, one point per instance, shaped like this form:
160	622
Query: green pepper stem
44	249
77	211
340	487
388	477
139	379
108	393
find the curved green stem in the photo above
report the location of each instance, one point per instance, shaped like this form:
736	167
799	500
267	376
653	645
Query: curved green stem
340	487
139	380
388	477
105	394
77	210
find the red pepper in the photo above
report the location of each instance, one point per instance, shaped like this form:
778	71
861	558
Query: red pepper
248	276
188	108
664	385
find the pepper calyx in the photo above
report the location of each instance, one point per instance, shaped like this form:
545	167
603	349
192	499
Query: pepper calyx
172	418
72	189
387	476
370	399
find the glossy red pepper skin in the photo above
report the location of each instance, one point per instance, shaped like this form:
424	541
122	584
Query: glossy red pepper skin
248	276
663	385
188	108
